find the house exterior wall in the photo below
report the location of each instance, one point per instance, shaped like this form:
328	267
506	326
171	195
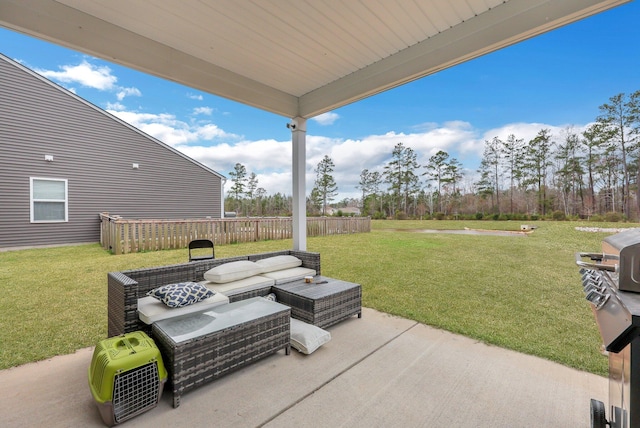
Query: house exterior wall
95	152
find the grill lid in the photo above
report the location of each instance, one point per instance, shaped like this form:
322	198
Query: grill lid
623	251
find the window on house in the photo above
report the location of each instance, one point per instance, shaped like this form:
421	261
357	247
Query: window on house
48	200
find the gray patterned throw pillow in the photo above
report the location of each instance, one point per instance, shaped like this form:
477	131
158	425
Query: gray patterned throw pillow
181	294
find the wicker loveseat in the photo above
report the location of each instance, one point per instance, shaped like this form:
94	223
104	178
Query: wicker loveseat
125	288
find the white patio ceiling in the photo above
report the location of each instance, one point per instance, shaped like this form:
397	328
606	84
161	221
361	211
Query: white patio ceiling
291	57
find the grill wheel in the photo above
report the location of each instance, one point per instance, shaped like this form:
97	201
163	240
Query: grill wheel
598	419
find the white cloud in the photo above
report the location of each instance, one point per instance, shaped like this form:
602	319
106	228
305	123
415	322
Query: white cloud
459	139
172	131
256	156
203	110
90	76
270	159
327	118
128	92
85	73
210	132
115	106
195	97
527	131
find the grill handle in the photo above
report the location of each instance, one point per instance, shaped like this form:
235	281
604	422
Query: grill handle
596	266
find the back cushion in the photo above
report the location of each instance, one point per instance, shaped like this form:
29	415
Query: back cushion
232	271
278	263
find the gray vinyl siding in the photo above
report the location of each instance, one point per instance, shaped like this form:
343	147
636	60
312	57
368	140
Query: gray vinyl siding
94	151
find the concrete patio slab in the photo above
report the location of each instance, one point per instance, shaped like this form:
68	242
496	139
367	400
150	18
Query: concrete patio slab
378	371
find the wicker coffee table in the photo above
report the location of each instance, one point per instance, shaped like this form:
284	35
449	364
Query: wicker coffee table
201	347
321	304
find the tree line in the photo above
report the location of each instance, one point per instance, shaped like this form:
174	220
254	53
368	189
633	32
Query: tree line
247	199
589	174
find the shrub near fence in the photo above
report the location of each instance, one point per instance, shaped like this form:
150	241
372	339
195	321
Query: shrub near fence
122	236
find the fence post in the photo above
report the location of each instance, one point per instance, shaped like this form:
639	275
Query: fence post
119	237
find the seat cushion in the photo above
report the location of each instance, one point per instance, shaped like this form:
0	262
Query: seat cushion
151	310
271	264
306	338
289	275
246	284
232	271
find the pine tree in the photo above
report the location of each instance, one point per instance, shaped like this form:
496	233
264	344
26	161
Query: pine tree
513	153
239	178
485	186
453	175
252	186
569	171
325	182
400	174
594	139
537	163
436	170
365	186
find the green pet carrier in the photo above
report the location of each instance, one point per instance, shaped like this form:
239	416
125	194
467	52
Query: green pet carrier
126	376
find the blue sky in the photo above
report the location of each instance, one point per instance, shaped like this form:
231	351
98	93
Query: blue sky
556	81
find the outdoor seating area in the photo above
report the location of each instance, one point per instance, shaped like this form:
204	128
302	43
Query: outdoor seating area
232	279
209	317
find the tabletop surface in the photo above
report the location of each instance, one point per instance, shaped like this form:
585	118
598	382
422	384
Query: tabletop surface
197	324
317	289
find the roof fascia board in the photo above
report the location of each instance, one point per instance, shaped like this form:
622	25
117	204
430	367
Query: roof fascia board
69	27
509	23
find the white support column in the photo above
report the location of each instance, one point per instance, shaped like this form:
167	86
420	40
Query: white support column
298	127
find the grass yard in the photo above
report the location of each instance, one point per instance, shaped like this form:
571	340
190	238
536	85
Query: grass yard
519	293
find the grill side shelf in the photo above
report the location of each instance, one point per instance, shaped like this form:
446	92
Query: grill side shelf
594	257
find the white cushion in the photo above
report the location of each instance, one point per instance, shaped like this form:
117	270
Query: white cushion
245	284
151	309
278	263
306	338
232	271
289	275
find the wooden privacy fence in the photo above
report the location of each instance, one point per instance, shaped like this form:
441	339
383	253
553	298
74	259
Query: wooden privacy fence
122	236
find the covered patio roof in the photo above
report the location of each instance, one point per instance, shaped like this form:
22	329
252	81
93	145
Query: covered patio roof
295	58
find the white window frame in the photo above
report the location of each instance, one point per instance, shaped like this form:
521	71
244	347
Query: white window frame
32	201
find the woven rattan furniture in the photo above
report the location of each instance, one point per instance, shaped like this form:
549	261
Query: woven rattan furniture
125	288
199	348
321	304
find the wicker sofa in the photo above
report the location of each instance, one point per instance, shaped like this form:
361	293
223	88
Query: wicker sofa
125	288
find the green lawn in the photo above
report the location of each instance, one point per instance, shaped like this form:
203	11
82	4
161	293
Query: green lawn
519	293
